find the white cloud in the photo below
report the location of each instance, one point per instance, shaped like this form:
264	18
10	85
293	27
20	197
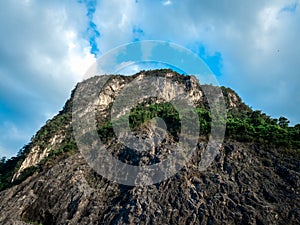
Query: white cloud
115	21
44	52
168	2
42	56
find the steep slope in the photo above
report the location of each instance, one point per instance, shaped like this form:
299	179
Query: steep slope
251	181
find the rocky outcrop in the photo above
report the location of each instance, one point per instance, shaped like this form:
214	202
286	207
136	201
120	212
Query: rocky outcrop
41	149
243	186
246	183
37	153
50	138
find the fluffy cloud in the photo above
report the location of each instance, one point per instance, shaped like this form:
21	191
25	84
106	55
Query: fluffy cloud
42	56
252	45
45	48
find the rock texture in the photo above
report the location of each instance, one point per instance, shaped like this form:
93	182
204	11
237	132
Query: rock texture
246	184
43	144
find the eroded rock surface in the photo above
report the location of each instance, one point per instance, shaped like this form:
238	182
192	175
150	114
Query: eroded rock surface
246	183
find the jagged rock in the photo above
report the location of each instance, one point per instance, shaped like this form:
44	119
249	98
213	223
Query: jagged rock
245	184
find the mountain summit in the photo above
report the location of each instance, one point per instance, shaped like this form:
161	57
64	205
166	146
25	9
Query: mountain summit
253	179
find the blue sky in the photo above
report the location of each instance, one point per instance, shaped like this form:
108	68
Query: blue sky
46	47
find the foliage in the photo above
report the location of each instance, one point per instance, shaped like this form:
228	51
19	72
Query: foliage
242	124
256	126
141	114
8	167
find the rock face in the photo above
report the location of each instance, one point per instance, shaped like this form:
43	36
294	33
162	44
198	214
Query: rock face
246	184
42	147
37	154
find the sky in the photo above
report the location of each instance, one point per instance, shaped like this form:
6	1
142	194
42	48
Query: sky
47	46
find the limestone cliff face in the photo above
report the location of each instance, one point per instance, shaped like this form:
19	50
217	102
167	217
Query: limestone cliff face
38	153
44	142
246	184
41	149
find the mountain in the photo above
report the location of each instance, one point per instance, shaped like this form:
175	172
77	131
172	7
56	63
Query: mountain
254	178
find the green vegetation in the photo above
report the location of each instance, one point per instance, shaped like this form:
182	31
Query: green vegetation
242	124
141	114
8	167
257	127
33	222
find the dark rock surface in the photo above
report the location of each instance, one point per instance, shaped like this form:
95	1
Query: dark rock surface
236	189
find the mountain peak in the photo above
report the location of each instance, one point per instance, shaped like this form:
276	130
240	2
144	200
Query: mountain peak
254	178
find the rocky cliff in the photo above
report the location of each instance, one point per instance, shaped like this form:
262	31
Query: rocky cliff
247	183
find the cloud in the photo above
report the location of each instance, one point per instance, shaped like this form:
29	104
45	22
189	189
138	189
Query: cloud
42	56
168	2
46	46
251	45
116	22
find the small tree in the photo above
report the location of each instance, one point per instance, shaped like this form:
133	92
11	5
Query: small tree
297	127
283	122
